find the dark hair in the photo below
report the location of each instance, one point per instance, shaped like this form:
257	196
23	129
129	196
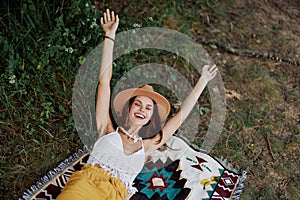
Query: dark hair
149	130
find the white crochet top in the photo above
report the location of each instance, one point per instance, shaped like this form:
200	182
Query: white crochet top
109	154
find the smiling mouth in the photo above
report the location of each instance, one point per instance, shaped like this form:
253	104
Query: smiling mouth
140	116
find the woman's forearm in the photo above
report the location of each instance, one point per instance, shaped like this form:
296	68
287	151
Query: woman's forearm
208	73
175	122
186	107
106	61
192	98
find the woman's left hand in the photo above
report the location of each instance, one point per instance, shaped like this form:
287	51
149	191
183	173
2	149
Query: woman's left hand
209	72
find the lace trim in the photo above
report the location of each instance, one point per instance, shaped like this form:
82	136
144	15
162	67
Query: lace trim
123	177
132	136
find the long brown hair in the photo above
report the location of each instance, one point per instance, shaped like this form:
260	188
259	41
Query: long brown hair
149	130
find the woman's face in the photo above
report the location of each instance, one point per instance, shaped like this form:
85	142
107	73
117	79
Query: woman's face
141	111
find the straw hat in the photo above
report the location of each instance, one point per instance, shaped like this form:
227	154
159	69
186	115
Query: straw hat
146	90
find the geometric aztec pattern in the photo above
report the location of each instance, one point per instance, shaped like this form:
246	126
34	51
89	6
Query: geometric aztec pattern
157	182
170	175
53	189
225	186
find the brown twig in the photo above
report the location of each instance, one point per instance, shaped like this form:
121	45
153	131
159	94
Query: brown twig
248	53
286	182
269	147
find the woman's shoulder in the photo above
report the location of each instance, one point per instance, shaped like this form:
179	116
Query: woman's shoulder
110	137
110	133
106	132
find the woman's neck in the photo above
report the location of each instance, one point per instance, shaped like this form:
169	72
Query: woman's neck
134	130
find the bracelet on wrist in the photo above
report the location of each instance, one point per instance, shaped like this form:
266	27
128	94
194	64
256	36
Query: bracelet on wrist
109	38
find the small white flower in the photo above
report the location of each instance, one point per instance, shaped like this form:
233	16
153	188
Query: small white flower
87	5
49	45
136	25
70	50
82	23
12	79
150	19
84	41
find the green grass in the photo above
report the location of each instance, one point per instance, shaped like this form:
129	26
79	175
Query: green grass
42	46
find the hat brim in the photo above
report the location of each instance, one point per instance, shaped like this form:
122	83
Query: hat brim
122	97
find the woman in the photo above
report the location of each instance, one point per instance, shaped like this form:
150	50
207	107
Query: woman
119	154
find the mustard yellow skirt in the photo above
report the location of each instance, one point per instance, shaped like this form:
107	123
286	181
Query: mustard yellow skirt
92	183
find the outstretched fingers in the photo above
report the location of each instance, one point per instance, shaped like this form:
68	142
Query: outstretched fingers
117	19
105	18
109	22
101	21
213	70
209	72
113	16
108	15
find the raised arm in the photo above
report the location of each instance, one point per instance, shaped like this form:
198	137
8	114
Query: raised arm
109	23
175	122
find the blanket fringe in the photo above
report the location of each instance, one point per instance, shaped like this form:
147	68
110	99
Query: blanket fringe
239	188
28	194
242	173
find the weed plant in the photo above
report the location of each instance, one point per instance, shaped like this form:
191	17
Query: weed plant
42	47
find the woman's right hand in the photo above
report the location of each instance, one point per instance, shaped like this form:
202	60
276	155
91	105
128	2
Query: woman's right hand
109	23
